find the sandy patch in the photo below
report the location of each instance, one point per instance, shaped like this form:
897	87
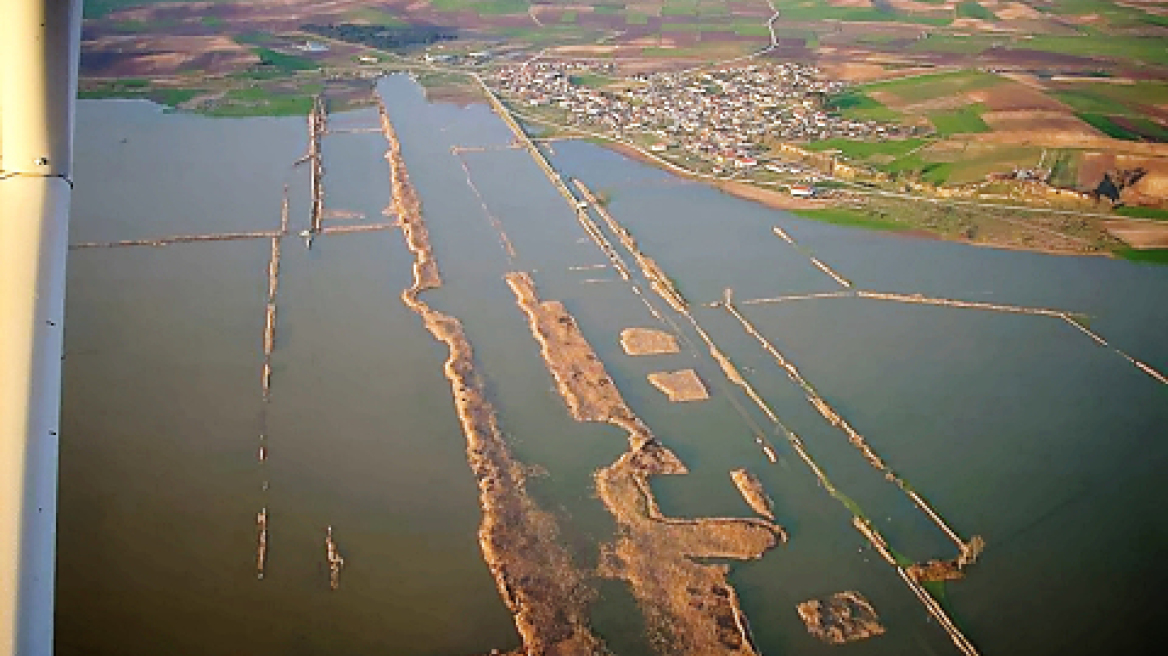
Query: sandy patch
772	198
923	8
976	25
855	72
647	341
1016	11
680	386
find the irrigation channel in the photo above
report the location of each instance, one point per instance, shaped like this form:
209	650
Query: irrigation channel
661	283
1075	319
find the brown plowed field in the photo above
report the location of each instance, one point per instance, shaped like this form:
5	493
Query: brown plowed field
1038	121
1139	234
129	56
1014	96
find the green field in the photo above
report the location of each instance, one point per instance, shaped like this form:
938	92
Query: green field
1149	256
974	164
591	80
809	10
1064	172
860	107
261	102
284	63
862	150
1150	50
920	88
483	7
165	96
1141	128
970	9
854	218
963	120
1143	213
375	17
913	165
1114	99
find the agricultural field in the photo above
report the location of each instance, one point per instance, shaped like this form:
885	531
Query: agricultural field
993	84
1080	35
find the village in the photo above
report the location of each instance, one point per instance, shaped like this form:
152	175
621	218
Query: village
727	116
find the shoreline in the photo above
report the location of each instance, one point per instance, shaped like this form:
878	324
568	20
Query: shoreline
771	198
781	201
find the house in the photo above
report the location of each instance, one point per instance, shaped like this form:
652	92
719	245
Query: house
803	191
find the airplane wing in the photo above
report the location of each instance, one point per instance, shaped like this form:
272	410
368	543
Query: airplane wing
39	49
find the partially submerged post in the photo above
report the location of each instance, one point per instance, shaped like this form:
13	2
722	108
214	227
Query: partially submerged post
335	561
262	542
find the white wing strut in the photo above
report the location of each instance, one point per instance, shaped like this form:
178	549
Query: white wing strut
39	49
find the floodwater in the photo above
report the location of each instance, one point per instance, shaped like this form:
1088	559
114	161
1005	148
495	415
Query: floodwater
1017	428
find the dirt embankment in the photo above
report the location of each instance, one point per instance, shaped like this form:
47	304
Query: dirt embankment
536	577
753	493
689	606
587	389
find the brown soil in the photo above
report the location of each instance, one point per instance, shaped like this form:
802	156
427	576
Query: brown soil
842	617
1151	188
1054	139
772	198
1016	11
680	386
923	8
1139	234
647	341
536	577
849	71
1038	121
1016	96
125	56
753	493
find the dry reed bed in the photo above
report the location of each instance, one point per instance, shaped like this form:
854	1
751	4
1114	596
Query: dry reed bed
534	574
